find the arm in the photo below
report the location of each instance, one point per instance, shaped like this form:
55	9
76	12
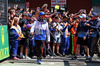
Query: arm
51	29
73	31
69	27
64	28
14	34
97	25
32	29
47	33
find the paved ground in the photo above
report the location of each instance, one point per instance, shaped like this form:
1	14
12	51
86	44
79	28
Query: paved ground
56	61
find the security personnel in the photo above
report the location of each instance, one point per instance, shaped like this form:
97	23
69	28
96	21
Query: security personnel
40	30
15	37
94	25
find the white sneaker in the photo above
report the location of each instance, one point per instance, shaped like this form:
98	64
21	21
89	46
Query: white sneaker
51	57
26	57
48	55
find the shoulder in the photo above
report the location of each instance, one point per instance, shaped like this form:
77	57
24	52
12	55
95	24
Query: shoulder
54	23
12	31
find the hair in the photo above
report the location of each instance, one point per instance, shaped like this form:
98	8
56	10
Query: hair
53	16
11	11
15	20
24	14
56	17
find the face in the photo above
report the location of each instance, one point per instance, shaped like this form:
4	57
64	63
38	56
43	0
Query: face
59	15
29	17
65	19
77	20
83	19
25	17
21	9
13	13
31	22
17	23
29	28
42	17
56	20
94	17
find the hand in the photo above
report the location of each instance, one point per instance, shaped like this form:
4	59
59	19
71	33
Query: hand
19	38
56	29
67	24
91	9
68	34
84	38
87	24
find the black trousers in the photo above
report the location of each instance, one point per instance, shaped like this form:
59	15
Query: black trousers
39	45
95	46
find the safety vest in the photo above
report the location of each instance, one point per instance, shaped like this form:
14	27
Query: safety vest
17	28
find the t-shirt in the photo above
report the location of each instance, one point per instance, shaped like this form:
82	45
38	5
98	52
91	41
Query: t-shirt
59	27
22	21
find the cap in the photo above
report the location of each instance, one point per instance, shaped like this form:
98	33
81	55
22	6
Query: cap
42	13
29	15
28	25
94	14
83	16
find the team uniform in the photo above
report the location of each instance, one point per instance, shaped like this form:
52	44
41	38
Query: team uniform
41	34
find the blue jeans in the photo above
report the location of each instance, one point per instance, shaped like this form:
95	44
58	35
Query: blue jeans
65	44
14	47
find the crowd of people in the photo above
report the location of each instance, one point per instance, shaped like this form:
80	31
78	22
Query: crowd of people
60	33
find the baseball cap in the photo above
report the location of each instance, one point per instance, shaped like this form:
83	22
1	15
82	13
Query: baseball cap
83	16
29	15
94	14
28	25
41	13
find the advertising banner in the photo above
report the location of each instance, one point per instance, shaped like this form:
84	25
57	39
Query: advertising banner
60	3
4	44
